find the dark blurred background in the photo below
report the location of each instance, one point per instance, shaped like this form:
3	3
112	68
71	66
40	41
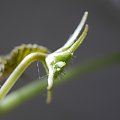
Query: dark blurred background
95	96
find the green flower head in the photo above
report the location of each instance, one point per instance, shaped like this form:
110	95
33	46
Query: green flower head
57	60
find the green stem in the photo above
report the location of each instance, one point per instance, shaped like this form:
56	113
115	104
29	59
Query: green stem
37	87
19	70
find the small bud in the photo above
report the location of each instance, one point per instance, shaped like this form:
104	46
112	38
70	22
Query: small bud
57	60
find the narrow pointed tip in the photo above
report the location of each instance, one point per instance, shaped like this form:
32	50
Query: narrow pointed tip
86	12
87	27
